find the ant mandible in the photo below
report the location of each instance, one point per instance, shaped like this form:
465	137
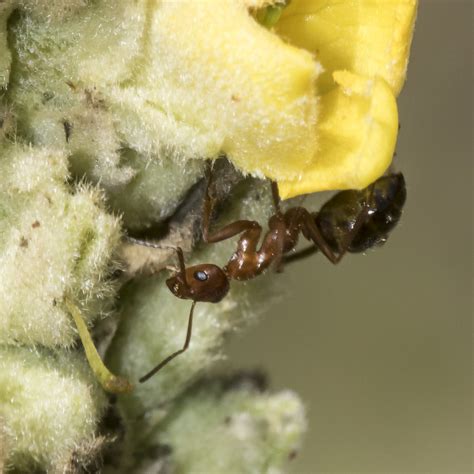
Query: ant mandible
351	221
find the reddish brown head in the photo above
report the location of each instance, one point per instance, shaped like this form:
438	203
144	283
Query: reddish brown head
205	282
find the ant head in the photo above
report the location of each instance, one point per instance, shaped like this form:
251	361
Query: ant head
205	282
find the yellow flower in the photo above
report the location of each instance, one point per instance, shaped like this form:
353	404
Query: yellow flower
309	103
363	47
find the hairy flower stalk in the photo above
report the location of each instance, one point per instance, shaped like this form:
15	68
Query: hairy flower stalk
108	110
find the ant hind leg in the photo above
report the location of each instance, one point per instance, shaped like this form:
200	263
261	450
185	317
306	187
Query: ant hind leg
301	254
315	234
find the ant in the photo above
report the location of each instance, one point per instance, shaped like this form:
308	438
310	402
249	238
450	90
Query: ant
351	221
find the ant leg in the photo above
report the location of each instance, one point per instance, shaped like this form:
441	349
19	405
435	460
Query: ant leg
359	222
174	354
147	243
279	258
143	243
276	197
320	242
308	251
301	254
182	265
181	270
233	229
208	204
313	233
227	231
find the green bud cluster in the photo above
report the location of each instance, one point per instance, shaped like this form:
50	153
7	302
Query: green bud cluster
84	160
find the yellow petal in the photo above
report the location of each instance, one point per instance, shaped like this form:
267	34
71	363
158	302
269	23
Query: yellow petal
216	81
369	37
357	128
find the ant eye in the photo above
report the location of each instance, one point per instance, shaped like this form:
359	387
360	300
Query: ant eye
201	276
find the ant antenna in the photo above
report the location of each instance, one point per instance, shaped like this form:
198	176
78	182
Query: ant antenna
177	353
178	250
147	243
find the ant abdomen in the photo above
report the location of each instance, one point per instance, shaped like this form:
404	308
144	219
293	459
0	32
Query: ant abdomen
385	199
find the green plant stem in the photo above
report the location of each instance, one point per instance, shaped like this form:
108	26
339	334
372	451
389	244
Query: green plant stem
110	382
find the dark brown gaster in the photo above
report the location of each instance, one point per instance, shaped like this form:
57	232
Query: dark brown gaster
351	221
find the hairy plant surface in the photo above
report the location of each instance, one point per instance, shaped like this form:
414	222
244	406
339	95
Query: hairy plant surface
108	109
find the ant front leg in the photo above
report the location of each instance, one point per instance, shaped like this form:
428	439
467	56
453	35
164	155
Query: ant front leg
247	261
226	232
276	197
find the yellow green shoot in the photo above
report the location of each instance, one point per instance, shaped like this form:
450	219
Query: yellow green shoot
110	382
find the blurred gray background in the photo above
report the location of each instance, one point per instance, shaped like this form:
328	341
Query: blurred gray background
379	347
